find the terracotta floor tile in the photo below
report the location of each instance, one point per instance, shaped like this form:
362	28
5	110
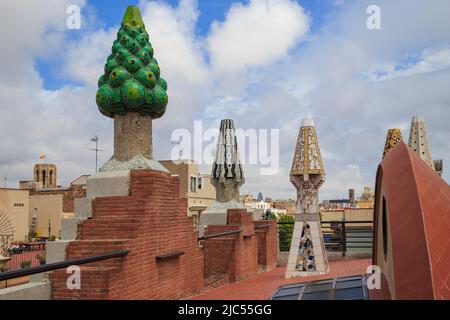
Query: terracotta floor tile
263	285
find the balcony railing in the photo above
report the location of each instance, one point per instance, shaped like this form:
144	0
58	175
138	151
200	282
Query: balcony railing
339	236
60	265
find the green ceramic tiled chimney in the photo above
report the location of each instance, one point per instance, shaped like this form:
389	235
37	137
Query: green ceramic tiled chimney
131	90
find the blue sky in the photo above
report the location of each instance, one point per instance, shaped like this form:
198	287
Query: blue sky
265	63
108	15
210	10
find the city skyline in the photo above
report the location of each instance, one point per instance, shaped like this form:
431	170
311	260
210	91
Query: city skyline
320	60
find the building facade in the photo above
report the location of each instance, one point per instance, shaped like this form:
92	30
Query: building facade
288	205
45	174
367	198
194	186
14	203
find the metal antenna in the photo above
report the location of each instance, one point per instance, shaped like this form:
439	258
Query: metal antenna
96	149
180	151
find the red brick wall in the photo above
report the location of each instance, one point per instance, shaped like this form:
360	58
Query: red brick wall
235	254
261	239
151	221
219	255
219	259
267	238
247	258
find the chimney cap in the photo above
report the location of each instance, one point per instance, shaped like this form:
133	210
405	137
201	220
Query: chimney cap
418	118
307	122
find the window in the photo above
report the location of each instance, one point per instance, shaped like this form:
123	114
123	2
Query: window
384	228
200	182
19	205
193	184
344	288
44	178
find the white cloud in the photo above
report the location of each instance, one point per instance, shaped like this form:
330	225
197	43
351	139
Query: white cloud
181	57
327	76
255	34
29	29
34	120
249	67
172	35
430	60
85	59
223	107
339	181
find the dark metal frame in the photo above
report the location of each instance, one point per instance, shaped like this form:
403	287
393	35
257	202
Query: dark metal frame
219	234
170	255
60	265
303	286
263	226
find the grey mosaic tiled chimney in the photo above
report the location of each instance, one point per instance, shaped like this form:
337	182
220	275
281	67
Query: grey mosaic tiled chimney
227	174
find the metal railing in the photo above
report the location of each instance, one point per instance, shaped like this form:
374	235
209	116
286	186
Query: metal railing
339	236
30	258
60	265
25	255
348	236
218	234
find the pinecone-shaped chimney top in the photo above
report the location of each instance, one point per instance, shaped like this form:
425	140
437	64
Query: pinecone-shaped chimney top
133	17
131	81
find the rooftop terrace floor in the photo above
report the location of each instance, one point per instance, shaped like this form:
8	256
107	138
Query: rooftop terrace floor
264	284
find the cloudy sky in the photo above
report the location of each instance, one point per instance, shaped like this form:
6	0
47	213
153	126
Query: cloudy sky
265	63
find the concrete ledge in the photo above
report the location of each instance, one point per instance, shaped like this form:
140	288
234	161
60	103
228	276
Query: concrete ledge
39	277
295	274
332	256
256	214
56	250
213	217
106	184
28	291
69	228
139	162
83	208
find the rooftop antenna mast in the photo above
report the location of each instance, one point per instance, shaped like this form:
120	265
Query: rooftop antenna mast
96	149
180	150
